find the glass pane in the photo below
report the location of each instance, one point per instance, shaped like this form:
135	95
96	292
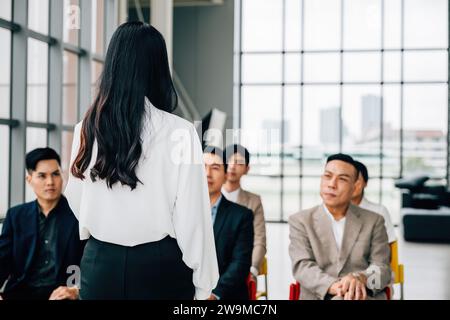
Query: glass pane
311	191
362	67
37	81
70	89
98	19
425	66
292	68
362	24
262	25
372	191
292	120
38	15
391	199
261	127
36	138
291	196
293	28
392	66
426	23
321	67
5	72
66	149
425	130
270	191
392	23
4	170
261	68
322	24
361	116
96	70
321	127
391	130
5	9
291	181
72	21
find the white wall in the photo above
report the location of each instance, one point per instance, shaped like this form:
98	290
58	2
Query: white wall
203	55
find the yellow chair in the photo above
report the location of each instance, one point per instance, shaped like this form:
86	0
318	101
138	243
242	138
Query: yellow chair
397	268
263	272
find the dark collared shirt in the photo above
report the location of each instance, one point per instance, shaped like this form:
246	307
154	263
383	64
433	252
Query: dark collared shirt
214	209
42	272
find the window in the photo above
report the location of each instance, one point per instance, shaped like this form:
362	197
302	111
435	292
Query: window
70	88
37	83
49	85
66	149
333	76
98	33
72	21
38	15
4	170
5	72
97	68
5	9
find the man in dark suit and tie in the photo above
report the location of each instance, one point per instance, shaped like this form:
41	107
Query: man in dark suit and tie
40	247
233	232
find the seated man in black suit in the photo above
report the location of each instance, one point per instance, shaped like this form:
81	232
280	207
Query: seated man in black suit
233	232
40	239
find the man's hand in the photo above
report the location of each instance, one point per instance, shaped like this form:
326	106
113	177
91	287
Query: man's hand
212	297
336	289
1	298
354	287
65	293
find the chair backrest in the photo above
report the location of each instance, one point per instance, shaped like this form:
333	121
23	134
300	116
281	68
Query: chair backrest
251	285
294	291
395	266
263	269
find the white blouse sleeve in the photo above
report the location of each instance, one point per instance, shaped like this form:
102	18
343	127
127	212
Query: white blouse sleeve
192	220
74	185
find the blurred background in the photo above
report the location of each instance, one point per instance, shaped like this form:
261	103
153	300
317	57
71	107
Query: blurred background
300	79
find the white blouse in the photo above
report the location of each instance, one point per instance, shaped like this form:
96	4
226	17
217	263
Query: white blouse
172	199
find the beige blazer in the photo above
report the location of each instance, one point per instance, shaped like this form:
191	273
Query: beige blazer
316	261
253	202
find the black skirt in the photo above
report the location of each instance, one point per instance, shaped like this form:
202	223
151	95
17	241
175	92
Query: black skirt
151	271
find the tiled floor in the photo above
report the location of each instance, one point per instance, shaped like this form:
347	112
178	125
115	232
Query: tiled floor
427	266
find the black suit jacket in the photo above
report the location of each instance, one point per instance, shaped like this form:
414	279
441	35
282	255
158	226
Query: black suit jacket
19	239
233	234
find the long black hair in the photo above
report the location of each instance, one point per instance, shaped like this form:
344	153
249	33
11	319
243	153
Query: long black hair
136	66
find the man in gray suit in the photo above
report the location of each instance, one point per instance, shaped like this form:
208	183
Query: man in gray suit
238	160
338	250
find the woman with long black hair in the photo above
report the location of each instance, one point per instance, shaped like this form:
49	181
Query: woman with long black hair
137	182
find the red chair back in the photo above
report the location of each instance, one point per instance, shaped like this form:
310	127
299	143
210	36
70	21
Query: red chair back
294	291
251	285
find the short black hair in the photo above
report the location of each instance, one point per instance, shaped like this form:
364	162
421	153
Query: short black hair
219	152
33	157
237	148
345	158
363	170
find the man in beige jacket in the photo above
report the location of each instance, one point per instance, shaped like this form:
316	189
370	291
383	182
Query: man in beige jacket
238	159
338	250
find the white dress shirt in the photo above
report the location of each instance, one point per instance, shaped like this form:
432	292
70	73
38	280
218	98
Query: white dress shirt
338	227
380	209
231	196
172	200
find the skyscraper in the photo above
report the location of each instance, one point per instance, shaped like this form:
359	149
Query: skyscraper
330	120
